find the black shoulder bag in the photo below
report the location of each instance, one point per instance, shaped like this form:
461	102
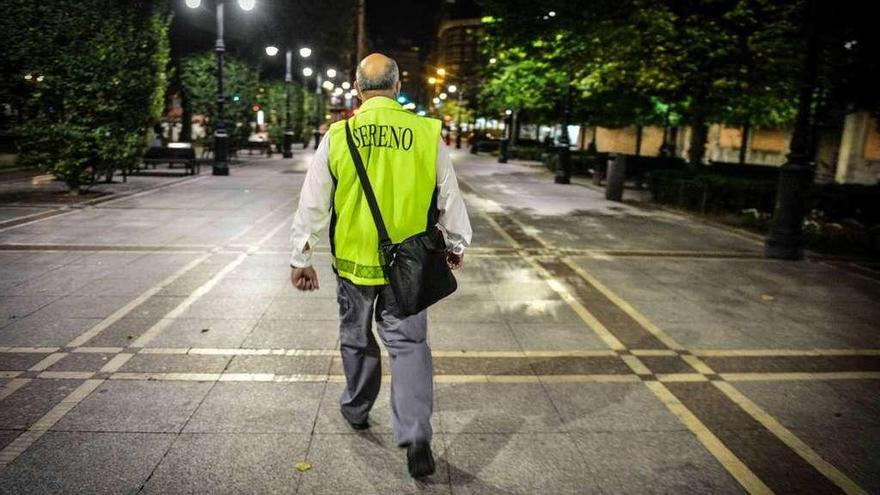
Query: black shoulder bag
416	267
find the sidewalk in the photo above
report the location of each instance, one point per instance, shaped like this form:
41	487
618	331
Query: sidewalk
592	347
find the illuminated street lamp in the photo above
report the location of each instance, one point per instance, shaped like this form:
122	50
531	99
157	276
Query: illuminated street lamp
288	79
305	52
346	85
308	71
331	73
221	139
452	88
441	72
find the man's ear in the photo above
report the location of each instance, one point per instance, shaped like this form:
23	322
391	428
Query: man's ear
396	88
360	94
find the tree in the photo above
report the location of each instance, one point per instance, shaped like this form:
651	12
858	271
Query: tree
240	83
95	80
642	61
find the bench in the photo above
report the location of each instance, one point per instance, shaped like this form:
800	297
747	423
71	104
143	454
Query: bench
172	155
637	167
262	147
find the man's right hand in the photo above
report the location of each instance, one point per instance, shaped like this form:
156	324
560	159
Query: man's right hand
454	260
305	278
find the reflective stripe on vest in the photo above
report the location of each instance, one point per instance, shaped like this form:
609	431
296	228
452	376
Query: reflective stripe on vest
399	150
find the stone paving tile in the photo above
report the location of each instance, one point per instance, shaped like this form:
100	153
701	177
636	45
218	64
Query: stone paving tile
175	363
135	406
204	332
81	361
230	463
122	332
29	403
542	311
19	361
536	336
330	420
610	407
526	463
495	408
7	436
313	309
481	366
472	336
292	334
816	404
577	365
852	450
17	307
258	408
470	312
38	330
226	307
79	306
367	463
117	463
666	364
653	462
281	365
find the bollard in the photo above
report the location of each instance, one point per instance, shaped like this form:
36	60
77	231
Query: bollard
502	155
598	170
615	178
563	168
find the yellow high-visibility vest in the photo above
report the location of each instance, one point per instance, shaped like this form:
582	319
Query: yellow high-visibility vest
399	150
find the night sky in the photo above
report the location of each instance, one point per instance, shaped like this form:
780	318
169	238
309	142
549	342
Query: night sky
326	26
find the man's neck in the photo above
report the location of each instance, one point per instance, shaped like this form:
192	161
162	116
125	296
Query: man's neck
372	94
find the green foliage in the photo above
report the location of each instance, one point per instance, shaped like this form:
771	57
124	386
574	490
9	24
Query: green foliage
102	66
272	99
632	61
199	77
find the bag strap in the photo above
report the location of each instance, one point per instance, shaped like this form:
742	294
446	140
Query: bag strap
384	240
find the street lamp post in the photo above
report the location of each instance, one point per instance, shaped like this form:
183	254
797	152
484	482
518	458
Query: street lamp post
288	129
786	237
221	139
563	168
505	141
319	97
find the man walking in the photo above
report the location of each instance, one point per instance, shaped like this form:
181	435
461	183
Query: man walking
415	187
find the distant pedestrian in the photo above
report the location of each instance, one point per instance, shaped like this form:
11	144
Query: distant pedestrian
415	188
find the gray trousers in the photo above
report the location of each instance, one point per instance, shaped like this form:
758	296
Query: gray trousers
412	385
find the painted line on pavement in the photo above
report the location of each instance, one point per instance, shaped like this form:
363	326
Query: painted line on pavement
789	439
131	305
42	425
746	478
48	361
800	376
163	323
12	386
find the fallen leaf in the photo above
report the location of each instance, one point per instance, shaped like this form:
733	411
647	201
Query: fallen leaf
767	297
303	466
204	330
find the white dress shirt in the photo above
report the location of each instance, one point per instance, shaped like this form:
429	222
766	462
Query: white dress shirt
316	198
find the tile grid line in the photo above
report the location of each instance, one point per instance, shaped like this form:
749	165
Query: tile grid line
737	468
21	443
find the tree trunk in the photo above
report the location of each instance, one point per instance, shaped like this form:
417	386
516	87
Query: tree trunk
699	136
744	144
639	140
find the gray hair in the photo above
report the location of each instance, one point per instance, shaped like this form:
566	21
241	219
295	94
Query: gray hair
382	81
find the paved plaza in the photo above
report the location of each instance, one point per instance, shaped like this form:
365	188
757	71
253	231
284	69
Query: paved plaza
152	343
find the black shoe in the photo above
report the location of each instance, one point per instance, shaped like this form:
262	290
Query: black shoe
356	425
419	460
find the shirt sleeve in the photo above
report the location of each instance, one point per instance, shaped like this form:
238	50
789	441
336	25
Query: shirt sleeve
453	221
313	212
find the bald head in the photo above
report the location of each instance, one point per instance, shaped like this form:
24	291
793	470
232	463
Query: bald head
377	75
